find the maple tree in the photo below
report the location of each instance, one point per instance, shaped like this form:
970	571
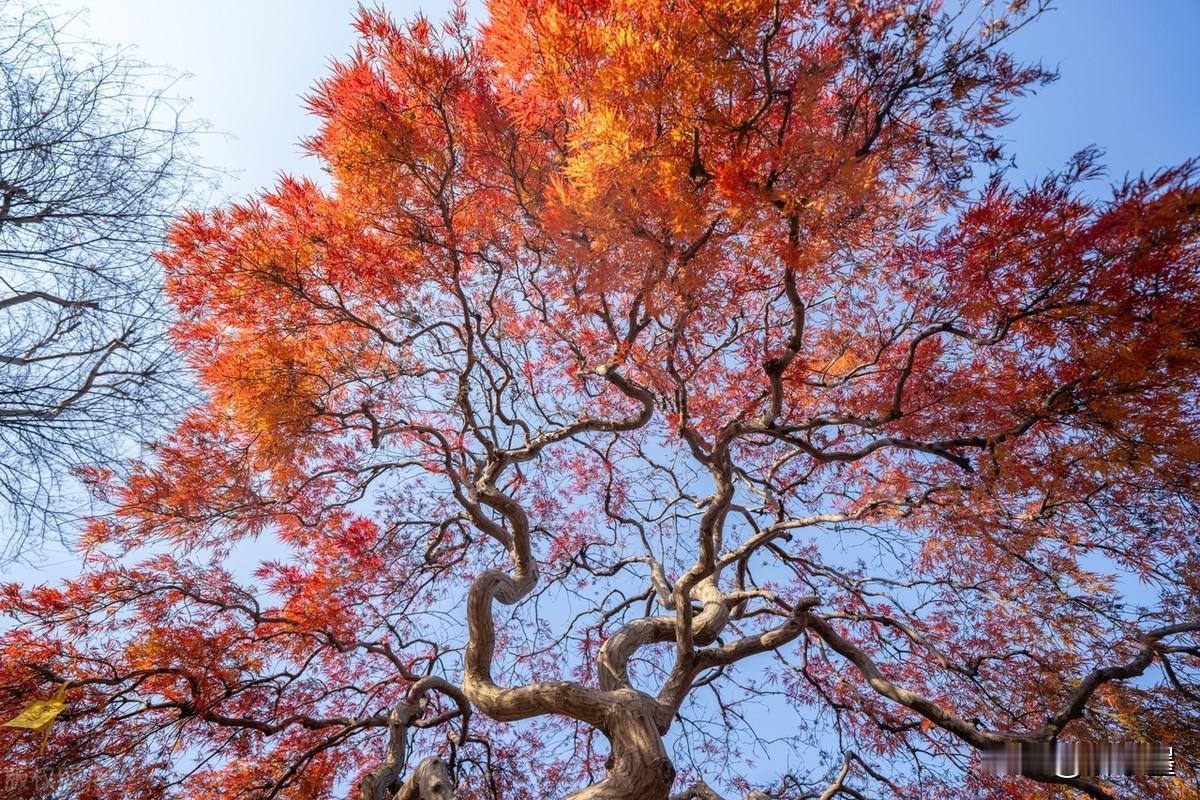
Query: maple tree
656	402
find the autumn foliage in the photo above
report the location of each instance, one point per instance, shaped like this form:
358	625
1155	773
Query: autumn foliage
657	399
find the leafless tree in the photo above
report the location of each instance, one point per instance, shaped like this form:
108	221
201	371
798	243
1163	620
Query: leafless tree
92	166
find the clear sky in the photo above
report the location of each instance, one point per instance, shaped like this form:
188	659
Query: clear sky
1130	84
247	64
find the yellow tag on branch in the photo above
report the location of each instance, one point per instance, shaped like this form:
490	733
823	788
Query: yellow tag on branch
39	714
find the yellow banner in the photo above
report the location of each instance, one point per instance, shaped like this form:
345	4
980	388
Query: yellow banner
39	714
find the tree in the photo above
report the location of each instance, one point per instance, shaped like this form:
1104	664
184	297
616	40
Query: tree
641	367
93	165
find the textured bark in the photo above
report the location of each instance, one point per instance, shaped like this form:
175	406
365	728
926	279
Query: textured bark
429	781
639	766
702	791
380	783
383	783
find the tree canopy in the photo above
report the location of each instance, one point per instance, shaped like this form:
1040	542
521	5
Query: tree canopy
657	400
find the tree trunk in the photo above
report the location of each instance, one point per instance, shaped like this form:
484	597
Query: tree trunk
638	768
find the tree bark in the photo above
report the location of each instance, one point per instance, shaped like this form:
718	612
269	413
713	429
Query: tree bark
639	768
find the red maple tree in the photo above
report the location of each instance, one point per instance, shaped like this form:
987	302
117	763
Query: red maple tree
655	401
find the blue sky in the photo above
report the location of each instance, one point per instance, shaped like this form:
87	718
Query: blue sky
1130	84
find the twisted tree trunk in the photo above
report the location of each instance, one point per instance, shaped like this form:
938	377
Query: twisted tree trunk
639	768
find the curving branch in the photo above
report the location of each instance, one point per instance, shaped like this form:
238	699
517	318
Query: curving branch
430	780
